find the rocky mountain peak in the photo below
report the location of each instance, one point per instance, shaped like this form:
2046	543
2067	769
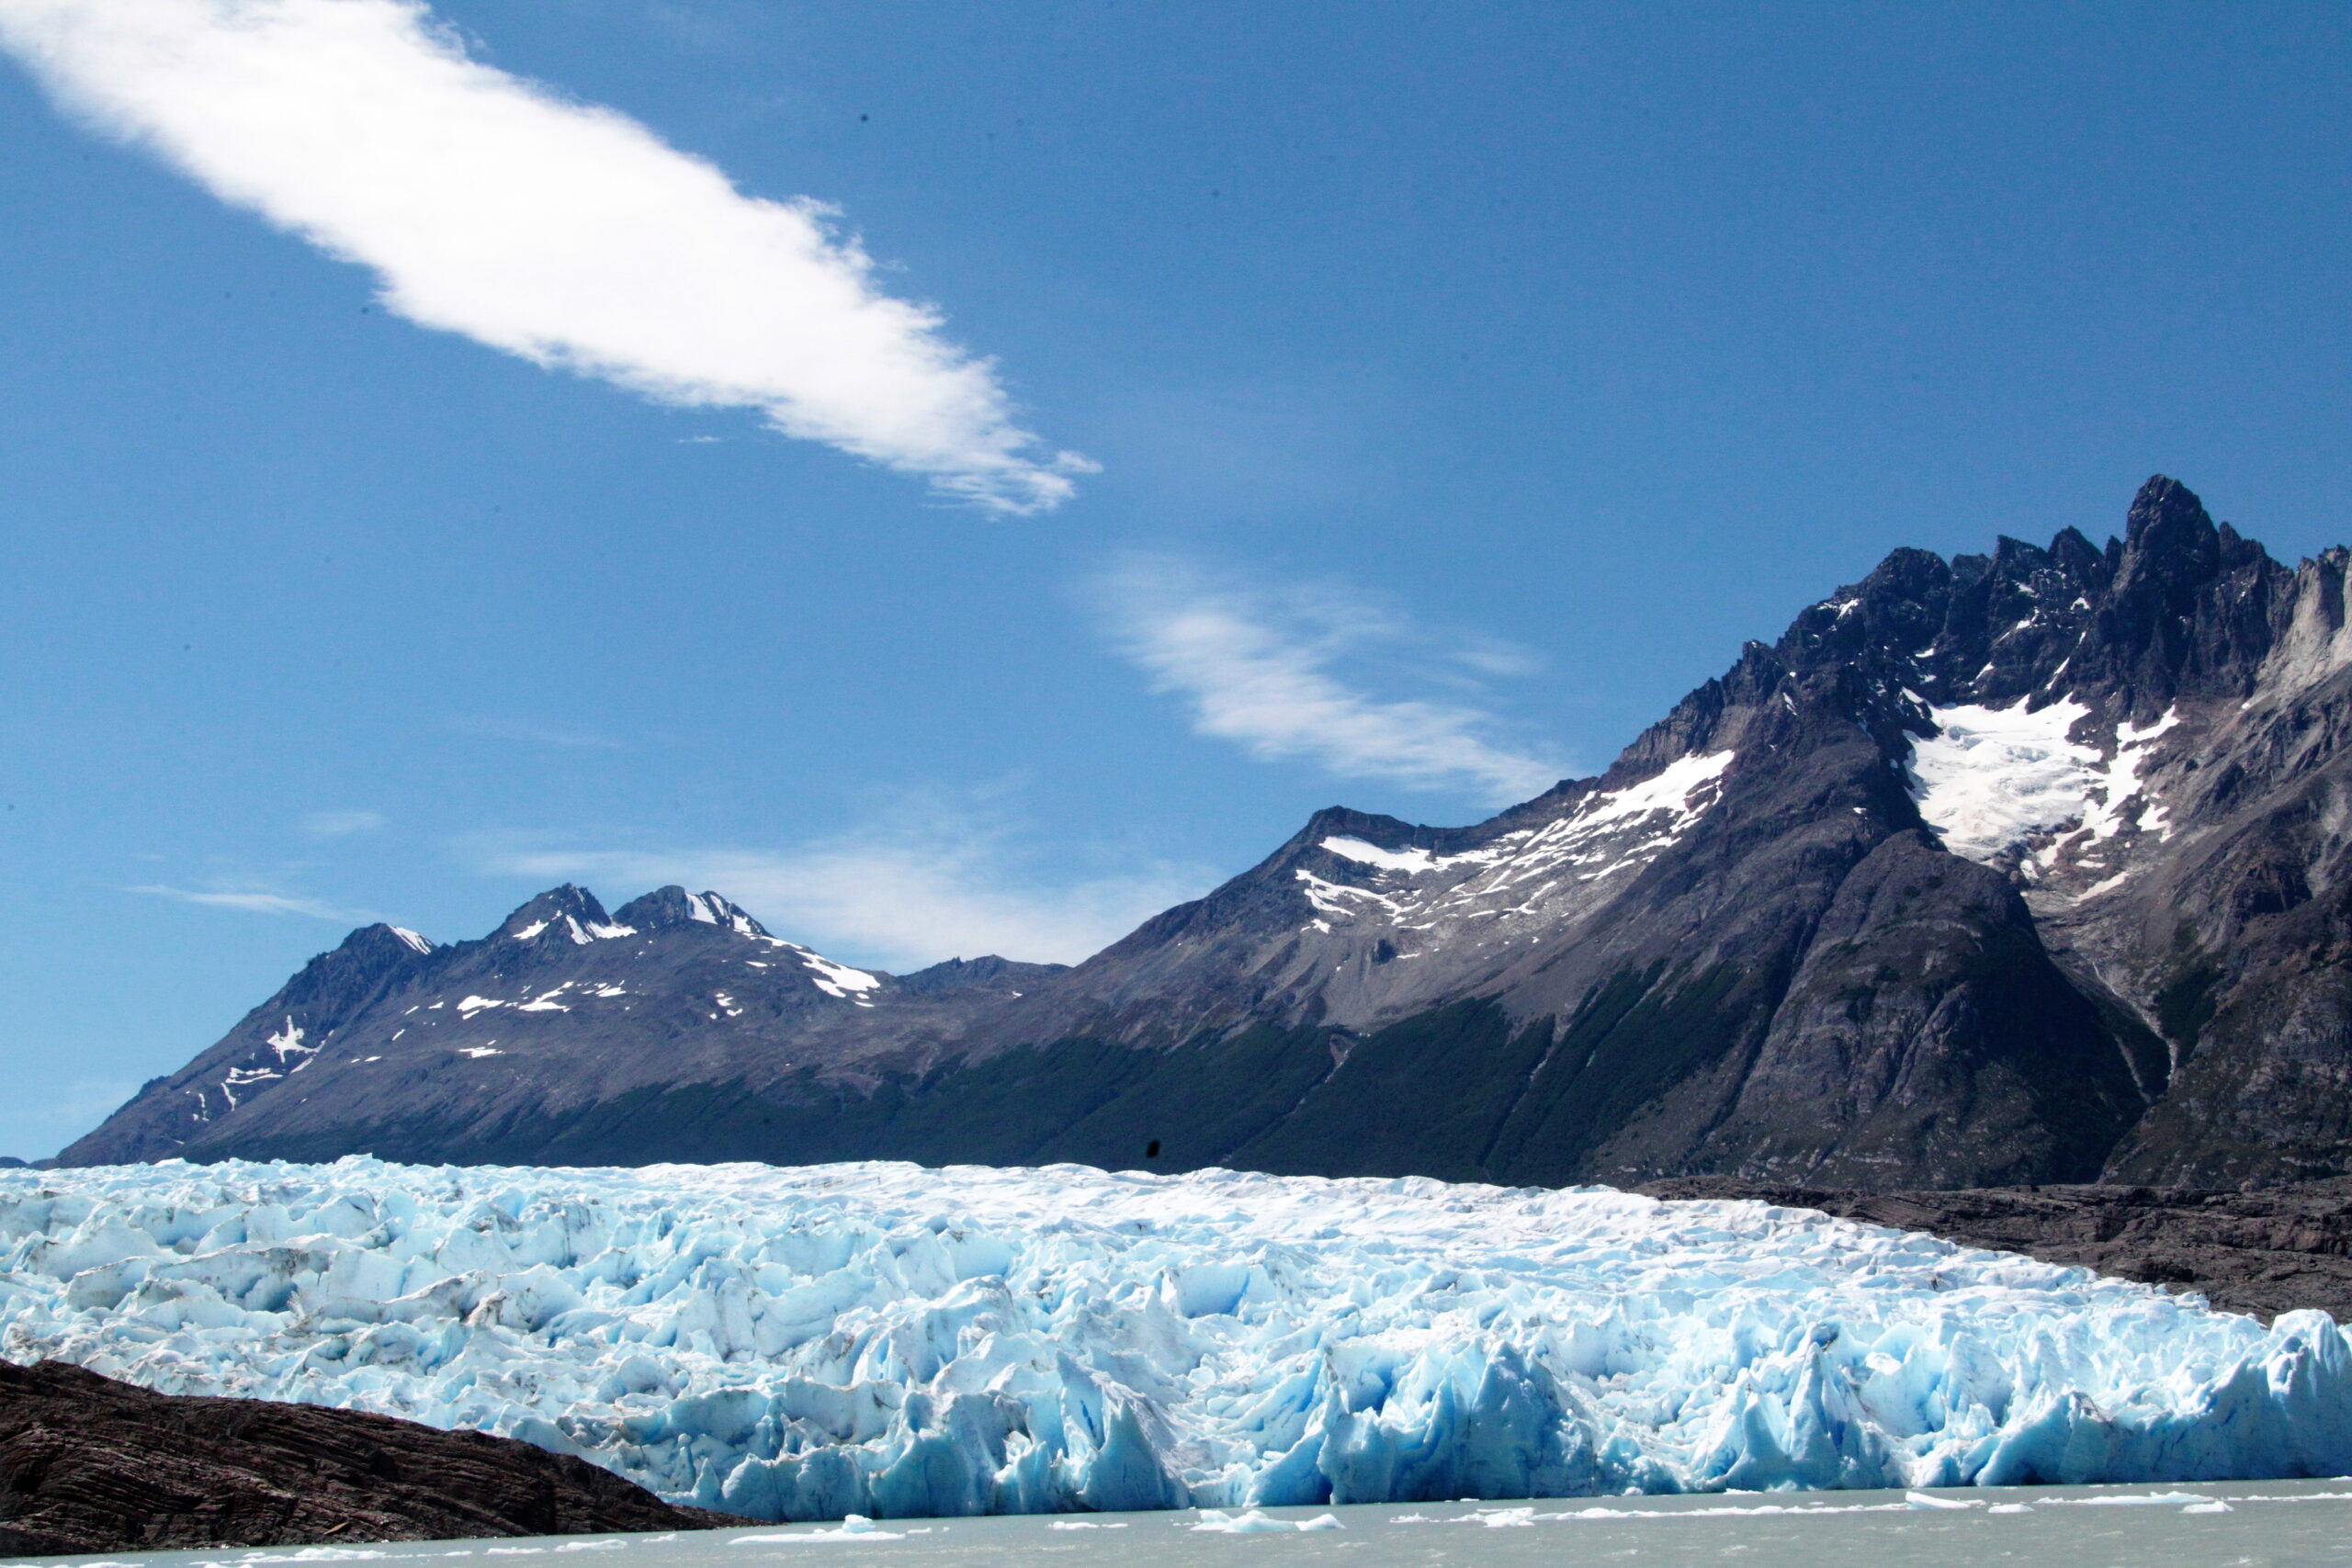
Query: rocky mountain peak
382	945
2169	535
670	908
569	910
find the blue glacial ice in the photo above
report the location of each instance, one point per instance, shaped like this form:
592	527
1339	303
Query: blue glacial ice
885	1340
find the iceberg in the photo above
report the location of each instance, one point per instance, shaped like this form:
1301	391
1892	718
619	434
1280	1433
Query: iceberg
886	1341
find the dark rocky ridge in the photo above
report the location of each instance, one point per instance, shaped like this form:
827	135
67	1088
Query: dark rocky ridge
2277	1249
394	1043
88	1464
1791	936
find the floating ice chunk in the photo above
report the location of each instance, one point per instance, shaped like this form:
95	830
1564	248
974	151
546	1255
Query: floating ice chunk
1254	1522
856	1527
1929	1500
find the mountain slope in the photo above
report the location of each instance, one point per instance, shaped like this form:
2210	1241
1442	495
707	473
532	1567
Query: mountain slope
391	1041
2003	869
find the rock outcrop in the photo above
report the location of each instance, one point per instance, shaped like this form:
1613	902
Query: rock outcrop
89	1464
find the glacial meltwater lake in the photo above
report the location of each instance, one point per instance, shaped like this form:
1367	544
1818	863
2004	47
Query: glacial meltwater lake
2279	1524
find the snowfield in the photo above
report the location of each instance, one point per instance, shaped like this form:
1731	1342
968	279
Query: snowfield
886	1340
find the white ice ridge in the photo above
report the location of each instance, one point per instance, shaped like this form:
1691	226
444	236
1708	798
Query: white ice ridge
886	1340
1996	777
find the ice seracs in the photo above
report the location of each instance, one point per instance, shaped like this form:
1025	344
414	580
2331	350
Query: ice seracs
886	1340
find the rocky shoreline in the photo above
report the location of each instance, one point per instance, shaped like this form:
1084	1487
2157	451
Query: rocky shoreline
90	1464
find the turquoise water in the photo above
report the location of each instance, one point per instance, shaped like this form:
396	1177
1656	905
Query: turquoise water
2236	1525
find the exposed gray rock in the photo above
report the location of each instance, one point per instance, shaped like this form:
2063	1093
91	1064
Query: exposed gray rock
2021	867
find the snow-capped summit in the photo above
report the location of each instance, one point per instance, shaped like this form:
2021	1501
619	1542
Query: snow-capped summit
568	913
673	906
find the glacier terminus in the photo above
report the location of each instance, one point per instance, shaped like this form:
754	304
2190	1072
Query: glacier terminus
888	1340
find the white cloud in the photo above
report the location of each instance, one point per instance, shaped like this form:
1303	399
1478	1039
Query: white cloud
257	903
563	232
342	824
1256	669
898	898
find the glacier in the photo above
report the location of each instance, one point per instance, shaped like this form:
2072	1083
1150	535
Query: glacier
891	1341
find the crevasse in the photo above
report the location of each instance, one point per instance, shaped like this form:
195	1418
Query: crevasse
889	1340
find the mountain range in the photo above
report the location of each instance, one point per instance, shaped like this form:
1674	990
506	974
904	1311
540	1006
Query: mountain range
2011	868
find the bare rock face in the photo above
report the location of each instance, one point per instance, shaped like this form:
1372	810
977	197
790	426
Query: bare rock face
88	1464
2018	868
2265	1252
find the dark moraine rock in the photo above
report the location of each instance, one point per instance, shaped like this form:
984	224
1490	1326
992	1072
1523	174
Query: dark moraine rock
89	1464
2263	1252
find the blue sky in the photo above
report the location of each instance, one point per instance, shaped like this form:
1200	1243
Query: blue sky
1239	409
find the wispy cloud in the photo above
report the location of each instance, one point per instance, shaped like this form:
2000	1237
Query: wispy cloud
258	903
563	232
898	897
342	824
537	734
1258	669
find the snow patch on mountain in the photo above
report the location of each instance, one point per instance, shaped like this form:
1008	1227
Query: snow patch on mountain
835	980
1995	779
1533	871
1407	860
2120	782
1992	778
288	1042
886	1340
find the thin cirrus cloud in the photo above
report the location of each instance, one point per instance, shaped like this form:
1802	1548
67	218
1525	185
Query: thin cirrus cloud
897	896
1258	669
255	903
563	232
